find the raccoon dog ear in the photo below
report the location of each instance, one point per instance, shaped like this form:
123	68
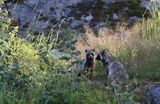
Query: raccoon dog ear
104	51
98	57
86	51
93	50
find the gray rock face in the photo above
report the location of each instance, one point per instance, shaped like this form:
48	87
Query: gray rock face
44	14
40	14
153	95
24	14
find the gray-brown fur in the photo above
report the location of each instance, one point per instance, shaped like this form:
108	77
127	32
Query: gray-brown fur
116	70
89	63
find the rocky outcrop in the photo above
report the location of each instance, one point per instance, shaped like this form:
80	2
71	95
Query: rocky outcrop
38	15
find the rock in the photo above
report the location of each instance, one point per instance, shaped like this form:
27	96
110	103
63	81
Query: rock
151	5
39	25
31	3
76	23
109	1
24	14
56	54
100	25
115	16
88	18
153	94
132	21
125	8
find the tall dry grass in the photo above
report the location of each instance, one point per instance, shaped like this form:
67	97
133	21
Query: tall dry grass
137	48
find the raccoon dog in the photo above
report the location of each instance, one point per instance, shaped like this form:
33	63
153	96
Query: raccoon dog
116	70
89	63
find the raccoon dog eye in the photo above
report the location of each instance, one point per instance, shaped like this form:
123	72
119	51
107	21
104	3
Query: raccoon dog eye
92	54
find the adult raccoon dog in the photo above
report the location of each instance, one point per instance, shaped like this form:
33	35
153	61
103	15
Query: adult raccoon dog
115	69
89	63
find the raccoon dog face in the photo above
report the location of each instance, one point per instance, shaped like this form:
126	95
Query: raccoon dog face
103	56
90	54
